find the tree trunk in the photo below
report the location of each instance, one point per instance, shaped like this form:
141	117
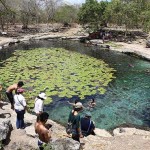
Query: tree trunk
126	31
2	23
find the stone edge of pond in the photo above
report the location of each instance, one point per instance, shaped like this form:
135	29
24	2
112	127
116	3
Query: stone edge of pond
24	39
132	53
58	132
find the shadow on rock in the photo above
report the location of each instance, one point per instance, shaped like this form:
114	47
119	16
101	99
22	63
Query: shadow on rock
4	115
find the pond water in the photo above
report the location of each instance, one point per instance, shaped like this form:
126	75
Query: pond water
127	100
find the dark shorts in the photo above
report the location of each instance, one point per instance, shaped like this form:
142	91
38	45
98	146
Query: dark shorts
41	145
10	97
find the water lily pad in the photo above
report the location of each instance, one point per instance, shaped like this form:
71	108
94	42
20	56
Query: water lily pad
58	72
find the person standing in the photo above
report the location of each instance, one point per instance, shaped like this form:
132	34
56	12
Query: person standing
74	118
20	108
43	132
39	103
9	92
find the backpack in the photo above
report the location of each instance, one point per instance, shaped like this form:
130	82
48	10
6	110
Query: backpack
69	128
85	133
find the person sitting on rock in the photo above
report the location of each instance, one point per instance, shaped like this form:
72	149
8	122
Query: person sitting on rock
87	125
41	129
12	88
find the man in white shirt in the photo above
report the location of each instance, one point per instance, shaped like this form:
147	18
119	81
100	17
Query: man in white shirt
39	103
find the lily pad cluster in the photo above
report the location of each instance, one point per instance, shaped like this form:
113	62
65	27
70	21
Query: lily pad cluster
57	72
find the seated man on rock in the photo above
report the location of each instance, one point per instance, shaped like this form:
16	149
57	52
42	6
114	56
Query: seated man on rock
87	125
42	130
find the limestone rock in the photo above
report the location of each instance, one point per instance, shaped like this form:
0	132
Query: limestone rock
14	41
148	43
21	146
3	33
5	127
102	133
129	42
95	143
65	144
30	131
97	41
130	131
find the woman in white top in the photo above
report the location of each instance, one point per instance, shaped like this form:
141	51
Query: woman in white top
39	103
20	107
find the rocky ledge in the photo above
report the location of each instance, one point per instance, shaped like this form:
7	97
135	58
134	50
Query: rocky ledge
121	139
128	48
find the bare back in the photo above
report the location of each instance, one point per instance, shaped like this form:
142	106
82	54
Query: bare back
44	134
12	88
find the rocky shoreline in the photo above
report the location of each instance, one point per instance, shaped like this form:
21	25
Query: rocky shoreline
122	138
134	49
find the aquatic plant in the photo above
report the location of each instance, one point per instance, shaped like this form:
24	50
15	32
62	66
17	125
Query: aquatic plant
56	72
2	90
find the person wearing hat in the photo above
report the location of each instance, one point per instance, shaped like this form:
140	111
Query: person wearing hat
74	118
87	125
39	103
20	108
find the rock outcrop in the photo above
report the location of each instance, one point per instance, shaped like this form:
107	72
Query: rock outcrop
130	131
65	144
5	128
26	139
148	43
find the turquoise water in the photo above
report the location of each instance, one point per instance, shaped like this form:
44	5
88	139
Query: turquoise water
127	100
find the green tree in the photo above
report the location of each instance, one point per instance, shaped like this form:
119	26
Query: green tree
92	13
89	12
6	13
129	13
122	14
66	13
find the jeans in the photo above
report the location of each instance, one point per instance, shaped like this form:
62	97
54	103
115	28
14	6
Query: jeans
20	119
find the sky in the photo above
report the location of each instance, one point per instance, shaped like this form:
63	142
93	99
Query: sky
78	1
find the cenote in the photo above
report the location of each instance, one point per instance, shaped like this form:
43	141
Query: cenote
127	99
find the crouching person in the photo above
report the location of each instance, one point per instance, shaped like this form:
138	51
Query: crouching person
87	125
41	129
